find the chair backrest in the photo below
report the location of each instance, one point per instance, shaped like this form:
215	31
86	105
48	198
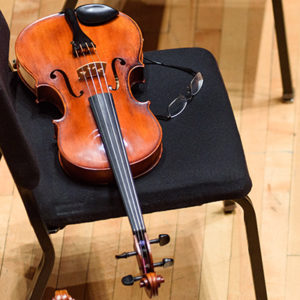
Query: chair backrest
13	144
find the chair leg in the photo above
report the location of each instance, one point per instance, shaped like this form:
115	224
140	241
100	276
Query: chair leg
41	276
45	267
228	206
70	4
254	248
288	92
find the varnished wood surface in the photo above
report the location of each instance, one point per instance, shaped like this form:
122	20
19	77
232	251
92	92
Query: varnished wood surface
81	149
209	248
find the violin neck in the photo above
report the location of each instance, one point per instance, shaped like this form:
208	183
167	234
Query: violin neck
104	112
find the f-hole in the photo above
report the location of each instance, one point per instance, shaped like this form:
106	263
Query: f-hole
113	66
67	81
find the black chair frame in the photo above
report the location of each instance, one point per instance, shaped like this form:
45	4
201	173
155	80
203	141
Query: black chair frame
286	77
44	270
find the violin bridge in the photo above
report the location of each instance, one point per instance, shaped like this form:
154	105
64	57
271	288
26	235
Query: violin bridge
92	69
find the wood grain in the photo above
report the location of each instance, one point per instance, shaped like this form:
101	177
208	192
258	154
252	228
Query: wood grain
210	250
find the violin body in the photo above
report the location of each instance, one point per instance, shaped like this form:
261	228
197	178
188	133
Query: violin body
44	56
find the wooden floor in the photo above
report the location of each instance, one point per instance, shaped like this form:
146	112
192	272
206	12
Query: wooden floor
209	248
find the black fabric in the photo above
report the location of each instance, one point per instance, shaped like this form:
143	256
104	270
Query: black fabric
202	159
13	144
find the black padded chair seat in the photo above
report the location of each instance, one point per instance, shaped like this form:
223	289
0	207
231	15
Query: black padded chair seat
211	168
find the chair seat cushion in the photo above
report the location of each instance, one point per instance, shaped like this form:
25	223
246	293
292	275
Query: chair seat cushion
202	158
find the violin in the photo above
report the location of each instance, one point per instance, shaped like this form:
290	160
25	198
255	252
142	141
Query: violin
85	62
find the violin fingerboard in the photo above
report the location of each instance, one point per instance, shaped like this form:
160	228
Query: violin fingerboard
105	115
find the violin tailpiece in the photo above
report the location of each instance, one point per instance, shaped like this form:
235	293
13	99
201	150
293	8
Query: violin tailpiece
80	41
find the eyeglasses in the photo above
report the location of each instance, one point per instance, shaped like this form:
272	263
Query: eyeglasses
178	105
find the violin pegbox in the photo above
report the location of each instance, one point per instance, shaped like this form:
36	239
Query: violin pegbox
148	278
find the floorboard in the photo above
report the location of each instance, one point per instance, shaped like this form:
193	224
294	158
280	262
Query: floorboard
209	248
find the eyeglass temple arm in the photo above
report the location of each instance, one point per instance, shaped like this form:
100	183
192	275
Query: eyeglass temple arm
188	70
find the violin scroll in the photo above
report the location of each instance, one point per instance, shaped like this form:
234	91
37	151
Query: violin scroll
148	278
151	282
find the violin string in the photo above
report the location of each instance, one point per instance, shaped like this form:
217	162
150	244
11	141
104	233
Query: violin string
137	221
101	64
83	73
85	78
96	69
90	72
138	215
136	205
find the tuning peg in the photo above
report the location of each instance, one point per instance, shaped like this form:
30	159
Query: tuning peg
163	239
126	254
129	279
166	262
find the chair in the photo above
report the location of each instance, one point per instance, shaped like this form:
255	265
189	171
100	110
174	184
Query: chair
203	159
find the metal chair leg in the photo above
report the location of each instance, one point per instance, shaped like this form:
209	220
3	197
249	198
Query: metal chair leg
254	248
228	206
45	267
70	4
41	276
288	92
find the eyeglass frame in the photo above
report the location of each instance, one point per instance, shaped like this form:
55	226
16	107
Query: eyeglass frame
187	97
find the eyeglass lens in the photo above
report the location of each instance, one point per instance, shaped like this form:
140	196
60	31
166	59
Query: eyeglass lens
196	84
177	106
